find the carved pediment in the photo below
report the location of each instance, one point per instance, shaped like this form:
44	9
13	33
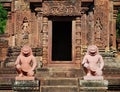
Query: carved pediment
62	8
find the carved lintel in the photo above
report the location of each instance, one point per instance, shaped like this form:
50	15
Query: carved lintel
61	8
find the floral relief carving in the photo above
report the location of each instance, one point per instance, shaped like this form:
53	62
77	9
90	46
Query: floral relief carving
62	8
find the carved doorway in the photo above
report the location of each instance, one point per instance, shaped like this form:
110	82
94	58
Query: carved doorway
60	41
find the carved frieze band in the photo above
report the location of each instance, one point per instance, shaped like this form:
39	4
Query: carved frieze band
61	8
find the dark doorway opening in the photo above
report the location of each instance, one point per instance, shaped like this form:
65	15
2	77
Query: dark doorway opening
62	41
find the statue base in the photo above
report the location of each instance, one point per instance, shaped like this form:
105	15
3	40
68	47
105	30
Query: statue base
93	78
26	86
93	85
24	78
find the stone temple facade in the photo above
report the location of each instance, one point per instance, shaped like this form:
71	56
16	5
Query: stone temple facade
59	31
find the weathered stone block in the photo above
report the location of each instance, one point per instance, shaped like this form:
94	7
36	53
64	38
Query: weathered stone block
60	82
5	84
59	89
93	85
26	86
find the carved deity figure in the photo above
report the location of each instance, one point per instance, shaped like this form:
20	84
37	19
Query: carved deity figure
99	28
25	31
98	33
93	62
25	26
26	62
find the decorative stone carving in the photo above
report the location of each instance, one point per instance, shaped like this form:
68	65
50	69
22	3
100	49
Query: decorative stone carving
83	28
25	28
98	32
78	41
21	5
93	63
25	63
62	8
22	28
101	20
45	41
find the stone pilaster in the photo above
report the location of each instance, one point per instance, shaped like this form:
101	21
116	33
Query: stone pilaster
45	41
113	16
90	34
39	27
78	41
101	23
84	28
114	30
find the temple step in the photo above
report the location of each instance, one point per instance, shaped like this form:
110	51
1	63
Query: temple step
59	72
59	85
6	84
59	81
59	89
7	71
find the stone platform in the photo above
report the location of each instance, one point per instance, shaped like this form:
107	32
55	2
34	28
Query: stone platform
59	80
26	86
93	85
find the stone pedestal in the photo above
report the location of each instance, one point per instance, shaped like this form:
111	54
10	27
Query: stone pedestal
26	86
93	85
93	77
24	78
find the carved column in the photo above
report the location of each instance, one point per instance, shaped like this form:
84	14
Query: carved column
78	41
45	41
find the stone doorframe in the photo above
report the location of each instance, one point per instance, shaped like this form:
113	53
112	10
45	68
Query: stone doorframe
76	41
